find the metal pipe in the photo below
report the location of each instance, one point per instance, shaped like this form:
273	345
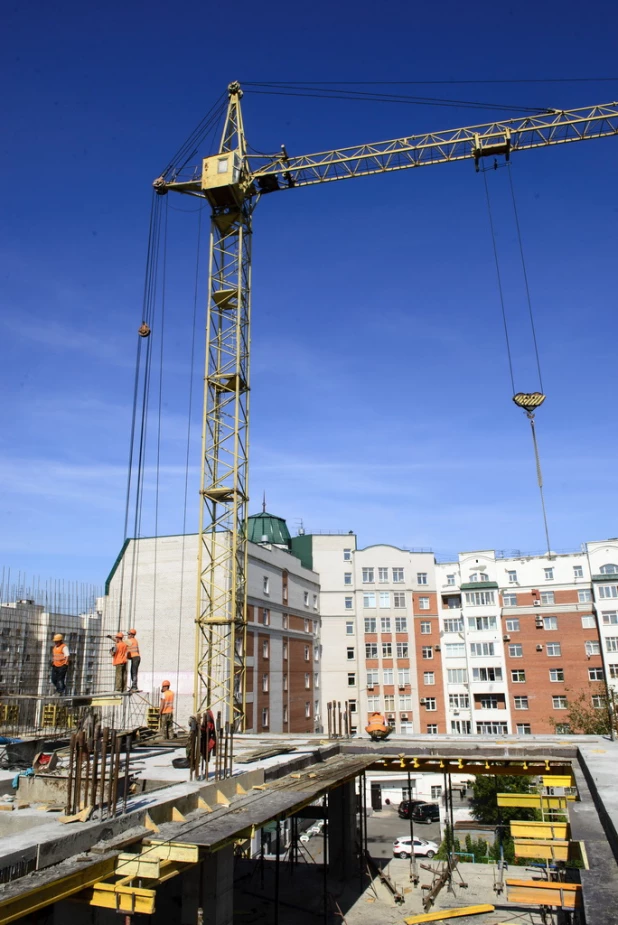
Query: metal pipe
127	757
110	783
103	765
69	803
116	773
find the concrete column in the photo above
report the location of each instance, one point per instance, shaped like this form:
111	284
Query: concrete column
210	886
342	831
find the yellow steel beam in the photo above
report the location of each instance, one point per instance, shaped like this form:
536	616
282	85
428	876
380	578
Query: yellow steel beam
523	829
462	766
441	914
129	899
138	865
532	801
558	780
537	893
172	851
63	888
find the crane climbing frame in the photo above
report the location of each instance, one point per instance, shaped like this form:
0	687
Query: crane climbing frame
232	181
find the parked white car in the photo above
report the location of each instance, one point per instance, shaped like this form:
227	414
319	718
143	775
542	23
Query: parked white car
422	847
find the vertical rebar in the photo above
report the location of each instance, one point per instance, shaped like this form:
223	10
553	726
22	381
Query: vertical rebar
127	759
116	773
277	862
69	804
110	783
104	742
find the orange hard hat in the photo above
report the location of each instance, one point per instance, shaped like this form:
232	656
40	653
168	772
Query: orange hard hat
132	632
58	637
119	635
165	684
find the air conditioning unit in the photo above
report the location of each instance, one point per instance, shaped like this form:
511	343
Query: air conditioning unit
539	623
506	638
539	648
370	687
423	701
402	687
437	648
404	717
536	603
456	712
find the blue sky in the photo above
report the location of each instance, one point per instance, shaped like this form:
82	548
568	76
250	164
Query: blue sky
380	390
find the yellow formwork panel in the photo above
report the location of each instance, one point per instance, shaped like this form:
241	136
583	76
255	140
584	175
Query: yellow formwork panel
523	829
172	851
443	914
128	899
138	865
558	780
538	893
542	848
531	801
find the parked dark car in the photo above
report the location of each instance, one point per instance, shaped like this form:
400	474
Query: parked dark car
426	812
406	805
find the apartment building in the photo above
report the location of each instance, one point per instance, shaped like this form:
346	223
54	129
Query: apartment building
488	644
152	587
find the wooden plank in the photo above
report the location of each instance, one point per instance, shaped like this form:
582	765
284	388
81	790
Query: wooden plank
524	829
440	914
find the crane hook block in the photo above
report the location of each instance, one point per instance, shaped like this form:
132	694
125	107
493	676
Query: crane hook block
529	401
160	186
143	330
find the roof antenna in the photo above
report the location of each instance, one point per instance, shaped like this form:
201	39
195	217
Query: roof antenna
264	504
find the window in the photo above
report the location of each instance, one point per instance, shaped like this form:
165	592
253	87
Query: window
264	682
266	584
397	574
556	674
369	599
403	676
371	650
315	602
427	652
265	648
598	701
385	599
488	702
595	674
549	574
307	626
388	676
584	596
387	650
611	644
607	591
479	598
457	676
450	579
402	650
459	702
349	627
521	703
370	624
350	653
285	682
316	680
524	729
613	671
307	654
373	678
306	598
512	626
265	718
511	576
492	729
429	677
421	578
430	703
405	702
401	624
482	623
425	627
482	648
367	576
487	674
436	792
550	623
389	702
610	618
385	624
347	578
509	600
423	603
578	571
547	597
285	712
382	574
347	555
432	729
588	622
352	705
222	163
399	599
453	626
266	617
553	649
373	704
348	603
308	709
609	569
455	649
518	676
593	647
351	679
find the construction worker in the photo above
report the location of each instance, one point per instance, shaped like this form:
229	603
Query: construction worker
59	664
134	658
166	710
118	653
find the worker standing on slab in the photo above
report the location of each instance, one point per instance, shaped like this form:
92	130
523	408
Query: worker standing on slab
134	658
166	710
118	653
59	664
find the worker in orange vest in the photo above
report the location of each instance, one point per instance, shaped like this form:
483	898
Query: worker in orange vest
59	664
134	658
118	653
166	710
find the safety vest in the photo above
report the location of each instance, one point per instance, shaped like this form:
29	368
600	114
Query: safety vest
119	656
60	655
132	647
167	702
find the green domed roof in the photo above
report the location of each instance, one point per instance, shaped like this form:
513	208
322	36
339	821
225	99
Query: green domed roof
266	528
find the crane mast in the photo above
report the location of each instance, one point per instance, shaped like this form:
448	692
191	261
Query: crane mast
232	182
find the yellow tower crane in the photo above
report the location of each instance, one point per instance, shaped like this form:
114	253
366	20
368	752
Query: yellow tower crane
232	181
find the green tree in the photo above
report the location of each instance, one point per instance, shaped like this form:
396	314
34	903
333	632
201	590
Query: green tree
484	801
581	717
